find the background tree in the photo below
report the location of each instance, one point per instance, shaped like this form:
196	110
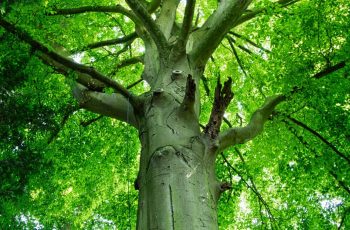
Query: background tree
195	82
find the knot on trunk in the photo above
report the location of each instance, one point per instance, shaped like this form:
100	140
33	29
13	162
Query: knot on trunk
224	186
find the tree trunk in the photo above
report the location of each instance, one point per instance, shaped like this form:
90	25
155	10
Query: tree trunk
177	185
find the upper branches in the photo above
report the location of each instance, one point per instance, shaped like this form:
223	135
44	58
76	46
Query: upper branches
209	36
186	26
152	28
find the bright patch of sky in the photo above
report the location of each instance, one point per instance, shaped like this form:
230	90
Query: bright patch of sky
77	57
29	220
243	204
331	204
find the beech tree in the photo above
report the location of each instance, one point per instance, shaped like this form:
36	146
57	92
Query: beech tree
219	113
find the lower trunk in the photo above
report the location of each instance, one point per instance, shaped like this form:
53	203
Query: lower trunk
177	185
178	191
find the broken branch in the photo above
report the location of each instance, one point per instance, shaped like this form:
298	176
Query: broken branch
222	99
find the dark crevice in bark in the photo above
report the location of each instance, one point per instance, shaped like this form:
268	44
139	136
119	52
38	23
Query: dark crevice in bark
190	94
222	98
183	157
172	207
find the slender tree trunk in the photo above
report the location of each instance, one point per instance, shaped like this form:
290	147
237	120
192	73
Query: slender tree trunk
177	185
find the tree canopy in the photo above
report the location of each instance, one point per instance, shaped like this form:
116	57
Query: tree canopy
63	167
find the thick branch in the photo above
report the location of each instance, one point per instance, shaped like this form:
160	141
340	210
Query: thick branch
65	61
240	135
150	25
186	26
166	18
127	38
319	136
111	105
209	36
130	61
222	99
84	79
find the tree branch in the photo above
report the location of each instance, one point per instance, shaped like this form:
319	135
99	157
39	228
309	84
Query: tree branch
111	105
209	36
240	135
120	40
84	79
152	6
167	15
65	61
89	122
186	26
252	14
250	186
249	41
152	28
329	70
127	62
308	146
69	111
87	9
230	41
319	136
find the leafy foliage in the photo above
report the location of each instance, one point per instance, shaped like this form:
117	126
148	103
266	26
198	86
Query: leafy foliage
62	167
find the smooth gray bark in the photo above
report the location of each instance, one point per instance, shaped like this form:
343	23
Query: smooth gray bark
177	185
